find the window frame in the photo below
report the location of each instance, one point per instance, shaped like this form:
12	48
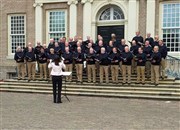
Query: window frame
48	23
161	28
10	54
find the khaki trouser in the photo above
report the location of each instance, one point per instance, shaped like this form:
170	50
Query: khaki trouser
104	70
91	72
148	69
155	74
21	70
97	68
79	70
140	74
133	65
114	73
120	66
50	69
43	70
31	70
126	69
69	69
163	67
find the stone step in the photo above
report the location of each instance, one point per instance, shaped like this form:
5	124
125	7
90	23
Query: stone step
85	82
137	96
132	91
75	86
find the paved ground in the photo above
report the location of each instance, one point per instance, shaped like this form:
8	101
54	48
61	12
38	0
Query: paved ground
37	112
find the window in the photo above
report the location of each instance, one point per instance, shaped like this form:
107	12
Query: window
113	13
57	24
171	26
16	32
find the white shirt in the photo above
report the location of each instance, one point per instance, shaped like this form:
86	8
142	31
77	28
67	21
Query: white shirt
56	70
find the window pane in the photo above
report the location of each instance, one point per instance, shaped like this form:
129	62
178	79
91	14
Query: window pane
56	20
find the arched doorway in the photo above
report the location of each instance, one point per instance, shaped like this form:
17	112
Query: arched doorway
110	20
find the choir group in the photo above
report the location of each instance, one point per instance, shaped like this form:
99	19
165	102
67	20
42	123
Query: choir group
144	57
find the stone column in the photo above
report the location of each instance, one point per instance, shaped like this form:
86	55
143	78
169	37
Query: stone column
72	17
132	19
38	21
87	18
150	17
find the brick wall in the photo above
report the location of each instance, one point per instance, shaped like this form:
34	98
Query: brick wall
14	7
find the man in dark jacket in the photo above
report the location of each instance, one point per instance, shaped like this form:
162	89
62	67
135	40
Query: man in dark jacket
155	63
126	64
163	51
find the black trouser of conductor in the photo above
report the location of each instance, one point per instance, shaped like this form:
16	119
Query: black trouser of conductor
57	88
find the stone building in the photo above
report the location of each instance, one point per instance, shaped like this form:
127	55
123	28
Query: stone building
23	21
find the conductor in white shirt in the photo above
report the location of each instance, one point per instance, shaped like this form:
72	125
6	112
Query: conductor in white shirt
56	73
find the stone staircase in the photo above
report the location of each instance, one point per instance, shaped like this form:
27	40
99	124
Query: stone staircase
168	89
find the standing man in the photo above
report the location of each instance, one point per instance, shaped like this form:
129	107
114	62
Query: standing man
155	63
42	58
150	39
19	58
134	51
79	59
103	65
90	58
138	38
126	64
37	50
141	61
31	63
68	60
163	51
115	59
148	51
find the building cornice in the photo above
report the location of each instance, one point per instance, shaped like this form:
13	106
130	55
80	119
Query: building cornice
72	2
86	1
50	1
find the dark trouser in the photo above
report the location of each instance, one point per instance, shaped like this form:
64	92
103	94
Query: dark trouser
57	84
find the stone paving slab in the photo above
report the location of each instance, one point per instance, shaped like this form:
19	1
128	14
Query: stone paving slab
38	112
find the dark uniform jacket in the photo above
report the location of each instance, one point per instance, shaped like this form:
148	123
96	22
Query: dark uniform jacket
103	59
156	58
126	58
79	57
148	52
19	57
141	59
42	58
114	58
90	58
163	51
30	57
68	58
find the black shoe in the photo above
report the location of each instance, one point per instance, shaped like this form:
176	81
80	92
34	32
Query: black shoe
59	101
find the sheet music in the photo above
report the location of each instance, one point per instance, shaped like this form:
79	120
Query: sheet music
66	73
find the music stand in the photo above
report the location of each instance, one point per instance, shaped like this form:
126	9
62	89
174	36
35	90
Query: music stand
65	74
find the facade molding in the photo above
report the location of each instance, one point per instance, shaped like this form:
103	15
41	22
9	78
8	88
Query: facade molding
86	1
50	1
37	4
70	2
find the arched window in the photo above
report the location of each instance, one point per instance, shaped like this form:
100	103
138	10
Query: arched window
112	13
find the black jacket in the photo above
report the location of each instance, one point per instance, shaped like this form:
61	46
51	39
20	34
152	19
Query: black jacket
42	57
141	59
19	57
126	58
163	51
114	58
103	59
148	51
79	58
30	57
90	58
156	58
68	58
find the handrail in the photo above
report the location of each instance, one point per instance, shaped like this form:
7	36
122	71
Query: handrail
173	57
173	67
